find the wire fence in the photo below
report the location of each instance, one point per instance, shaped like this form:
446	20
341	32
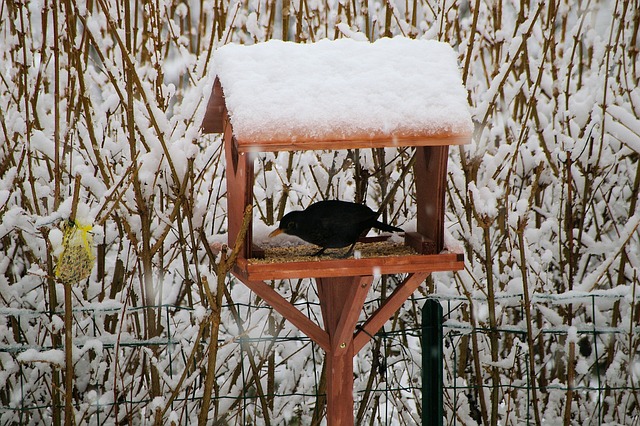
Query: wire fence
269	373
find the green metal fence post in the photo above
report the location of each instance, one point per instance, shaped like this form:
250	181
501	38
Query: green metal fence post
432	409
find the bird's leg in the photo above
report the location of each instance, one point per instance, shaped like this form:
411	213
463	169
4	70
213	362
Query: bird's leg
349	252
319	252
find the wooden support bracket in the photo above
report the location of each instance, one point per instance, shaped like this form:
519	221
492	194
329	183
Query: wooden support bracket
290	312
387	309
341	301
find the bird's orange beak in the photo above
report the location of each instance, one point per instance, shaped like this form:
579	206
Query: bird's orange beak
276	232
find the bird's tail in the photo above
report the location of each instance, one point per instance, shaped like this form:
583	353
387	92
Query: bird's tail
388	228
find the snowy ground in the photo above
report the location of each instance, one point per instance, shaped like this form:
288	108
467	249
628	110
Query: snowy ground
541	325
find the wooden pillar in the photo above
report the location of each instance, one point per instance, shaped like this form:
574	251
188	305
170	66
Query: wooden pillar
430	171
239	170
340	387
341	301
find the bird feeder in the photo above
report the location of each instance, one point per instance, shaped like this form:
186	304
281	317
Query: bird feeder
336	95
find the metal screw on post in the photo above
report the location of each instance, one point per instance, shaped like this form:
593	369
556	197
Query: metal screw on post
432	388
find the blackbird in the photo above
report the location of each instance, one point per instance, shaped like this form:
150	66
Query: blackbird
332	224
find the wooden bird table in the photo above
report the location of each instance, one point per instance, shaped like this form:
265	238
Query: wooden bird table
342	284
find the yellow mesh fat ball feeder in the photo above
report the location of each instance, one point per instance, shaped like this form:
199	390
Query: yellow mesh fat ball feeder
76	260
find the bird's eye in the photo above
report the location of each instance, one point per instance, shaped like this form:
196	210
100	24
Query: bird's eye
291	225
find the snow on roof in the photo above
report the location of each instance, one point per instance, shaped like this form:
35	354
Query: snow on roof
342	90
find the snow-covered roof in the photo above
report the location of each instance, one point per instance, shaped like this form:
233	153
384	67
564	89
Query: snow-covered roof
284	95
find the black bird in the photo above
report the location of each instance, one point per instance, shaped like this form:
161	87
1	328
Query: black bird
332	224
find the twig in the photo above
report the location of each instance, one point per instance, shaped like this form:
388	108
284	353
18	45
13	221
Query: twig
529	322
570	383
223	267
68	325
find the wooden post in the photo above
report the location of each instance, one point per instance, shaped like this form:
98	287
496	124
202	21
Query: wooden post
239	181
340	387
430	171
341	301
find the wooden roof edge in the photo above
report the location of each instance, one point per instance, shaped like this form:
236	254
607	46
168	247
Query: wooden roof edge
359	142
213	121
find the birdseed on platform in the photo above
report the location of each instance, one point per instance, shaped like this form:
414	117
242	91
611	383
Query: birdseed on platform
304	253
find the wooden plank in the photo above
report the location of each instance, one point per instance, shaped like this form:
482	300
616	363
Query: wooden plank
350	267
352	142
291	313
387	309
213	121
431	260
430	170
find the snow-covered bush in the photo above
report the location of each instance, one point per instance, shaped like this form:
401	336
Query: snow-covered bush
541	325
